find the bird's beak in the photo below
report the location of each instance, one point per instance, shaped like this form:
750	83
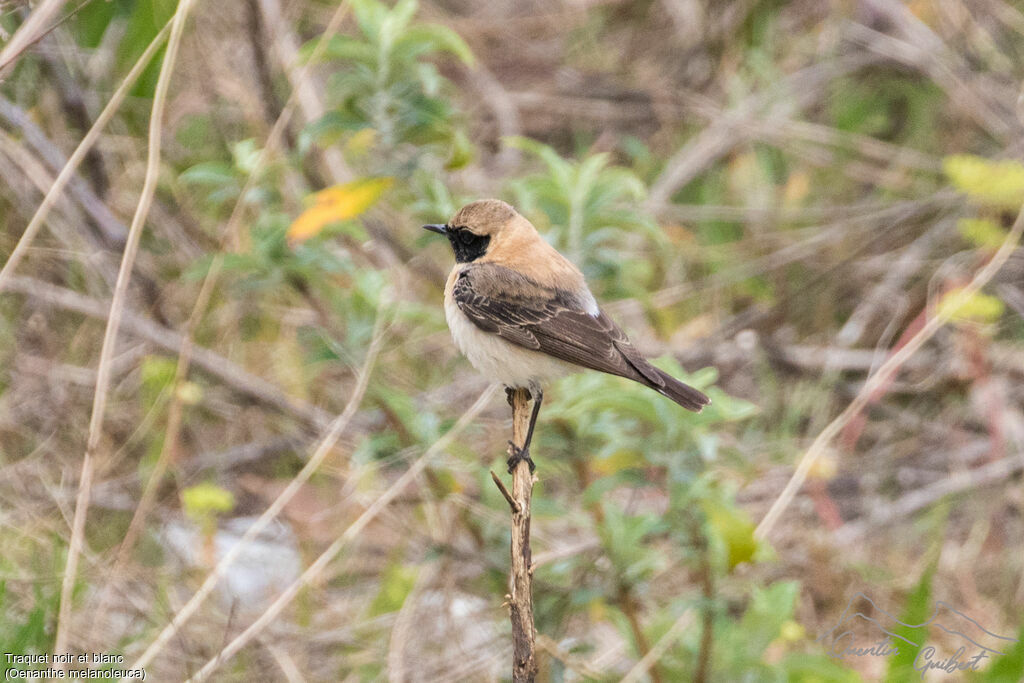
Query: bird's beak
439	228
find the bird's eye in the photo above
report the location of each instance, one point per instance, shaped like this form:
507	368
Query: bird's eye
466	237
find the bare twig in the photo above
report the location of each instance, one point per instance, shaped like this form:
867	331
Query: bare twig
304	85
886	291
113	324
353	530
733	127
707	580
986	475
113	230
323	448
232	374
503	106
627	603
664	643
504	491
38	24
885	373
68	172
520	601
230	238
571	661
406	624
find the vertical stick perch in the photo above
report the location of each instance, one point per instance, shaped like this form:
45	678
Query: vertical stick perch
520	599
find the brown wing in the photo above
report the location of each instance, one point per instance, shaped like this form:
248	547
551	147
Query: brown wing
501	301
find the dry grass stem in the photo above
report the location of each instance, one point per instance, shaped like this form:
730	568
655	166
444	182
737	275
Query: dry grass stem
885	373
68	172
113	323
227	371
353	530
324	447
38	24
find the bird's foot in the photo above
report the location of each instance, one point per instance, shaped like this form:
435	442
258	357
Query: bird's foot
519	455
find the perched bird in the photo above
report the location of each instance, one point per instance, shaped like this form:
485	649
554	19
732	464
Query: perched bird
522	313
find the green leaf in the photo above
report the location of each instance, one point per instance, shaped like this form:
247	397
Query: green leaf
396	21
93	19
341	47
157	373
213	173
370	15
624	537
395	586
145	22
1008	668
917	610
768	610
423	39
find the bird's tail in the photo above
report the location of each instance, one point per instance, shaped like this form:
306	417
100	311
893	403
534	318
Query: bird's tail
683	394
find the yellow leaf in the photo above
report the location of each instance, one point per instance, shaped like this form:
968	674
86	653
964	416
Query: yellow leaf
360	144
205	500
981	232
996	183
618	461
791	631
597	610
977	308
734	529
338	203
824	467
190	393
798	186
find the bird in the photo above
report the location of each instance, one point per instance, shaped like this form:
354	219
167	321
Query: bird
523	315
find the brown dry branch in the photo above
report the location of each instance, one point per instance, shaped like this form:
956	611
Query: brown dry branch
324	447
68	172
112	229
918	499
38	24
520	599
789	97
571	661
886	372
232	374
316	569
230	238
114	323
305	88
176	410
674	632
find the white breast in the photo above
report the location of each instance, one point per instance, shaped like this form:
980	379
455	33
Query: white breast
497	359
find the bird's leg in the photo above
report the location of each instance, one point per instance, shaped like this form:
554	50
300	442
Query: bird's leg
519	454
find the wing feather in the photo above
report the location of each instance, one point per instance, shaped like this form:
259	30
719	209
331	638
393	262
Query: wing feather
499	300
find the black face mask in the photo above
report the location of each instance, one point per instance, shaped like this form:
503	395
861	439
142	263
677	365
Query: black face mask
468	246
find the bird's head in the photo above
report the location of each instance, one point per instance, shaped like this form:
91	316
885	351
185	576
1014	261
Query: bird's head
479	227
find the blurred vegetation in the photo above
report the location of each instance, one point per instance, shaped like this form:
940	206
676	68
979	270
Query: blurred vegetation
770	197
